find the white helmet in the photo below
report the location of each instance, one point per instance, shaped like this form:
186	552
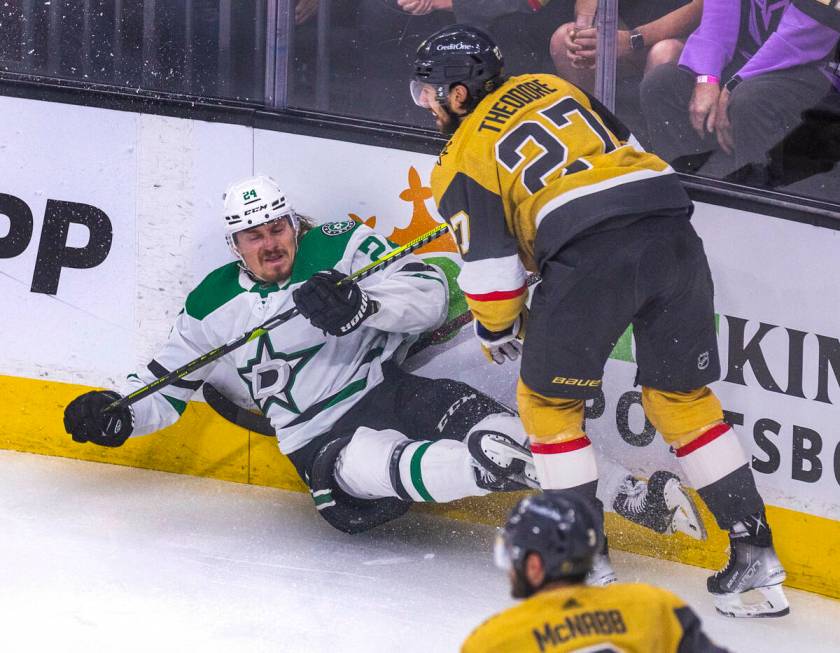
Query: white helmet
253	202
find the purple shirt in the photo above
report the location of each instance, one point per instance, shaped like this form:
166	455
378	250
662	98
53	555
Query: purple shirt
724	35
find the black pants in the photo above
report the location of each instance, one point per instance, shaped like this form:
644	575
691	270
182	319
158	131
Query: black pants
653	274
762	110
418	407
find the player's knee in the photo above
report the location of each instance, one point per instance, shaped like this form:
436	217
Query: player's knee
549	419
662	52
334	498
363	467
681	416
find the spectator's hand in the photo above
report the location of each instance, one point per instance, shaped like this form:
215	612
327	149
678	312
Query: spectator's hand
722	125
304	10
422	7
702	109
584	46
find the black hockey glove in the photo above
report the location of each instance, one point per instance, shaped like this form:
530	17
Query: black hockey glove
85	421
334	309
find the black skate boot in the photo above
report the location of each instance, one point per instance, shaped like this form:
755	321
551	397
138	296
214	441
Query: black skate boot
501	464
753	565
660	504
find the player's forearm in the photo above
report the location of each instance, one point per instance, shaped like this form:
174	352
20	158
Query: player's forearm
155	412
496	290
413	300
185	343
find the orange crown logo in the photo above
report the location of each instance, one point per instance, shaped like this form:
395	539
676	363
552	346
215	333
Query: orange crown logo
421	219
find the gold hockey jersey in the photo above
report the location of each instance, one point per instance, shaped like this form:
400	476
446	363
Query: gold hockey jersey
535	164
619	618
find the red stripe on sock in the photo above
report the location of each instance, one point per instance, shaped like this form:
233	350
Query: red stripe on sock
560	447
496	295
712	434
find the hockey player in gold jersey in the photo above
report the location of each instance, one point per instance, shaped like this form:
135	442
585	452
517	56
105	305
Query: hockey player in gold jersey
547	547
538	176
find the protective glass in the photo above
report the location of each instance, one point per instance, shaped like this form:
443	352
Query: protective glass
423	94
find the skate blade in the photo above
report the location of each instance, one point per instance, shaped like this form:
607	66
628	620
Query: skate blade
529	477
686	518
601	574
774	603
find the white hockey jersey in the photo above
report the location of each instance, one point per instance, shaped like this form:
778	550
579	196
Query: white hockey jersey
301	379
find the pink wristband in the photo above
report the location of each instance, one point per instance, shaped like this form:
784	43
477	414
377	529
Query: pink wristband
708	79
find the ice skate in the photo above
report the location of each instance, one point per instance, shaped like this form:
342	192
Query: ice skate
501	463
661	504
602	572
753	572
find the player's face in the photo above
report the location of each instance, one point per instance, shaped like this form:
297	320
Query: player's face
269	250
425	97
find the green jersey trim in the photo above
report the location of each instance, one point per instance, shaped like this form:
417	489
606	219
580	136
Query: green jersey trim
177	404
457	302
319	251
341	395
216	290
347	391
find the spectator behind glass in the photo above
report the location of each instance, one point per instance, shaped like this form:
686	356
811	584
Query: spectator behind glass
742	82
649	34
521	28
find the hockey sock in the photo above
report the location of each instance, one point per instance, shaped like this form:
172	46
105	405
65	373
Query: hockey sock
378	464
717	467
565	465
433	471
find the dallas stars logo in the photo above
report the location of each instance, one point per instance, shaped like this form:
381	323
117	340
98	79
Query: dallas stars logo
270	375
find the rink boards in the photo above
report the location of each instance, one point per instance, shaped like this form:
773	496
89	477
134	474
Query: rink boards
107	220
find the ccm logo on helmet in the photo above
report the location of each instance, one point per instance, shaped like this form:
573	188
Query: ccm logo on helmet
255	209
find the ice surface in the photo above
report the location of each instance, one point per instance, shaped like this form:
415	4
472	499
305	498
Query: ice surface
105	558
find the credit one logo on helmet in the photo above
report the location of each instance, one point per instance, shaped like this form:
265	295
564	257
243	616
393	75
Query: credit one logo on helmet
456	46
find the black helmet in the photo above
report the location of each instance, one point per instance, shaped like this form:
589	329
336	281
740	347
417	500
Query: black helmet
458	54
563	529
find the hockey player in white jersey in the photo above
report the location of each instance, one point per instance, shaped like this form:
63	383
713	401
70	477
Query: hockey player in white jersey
367	437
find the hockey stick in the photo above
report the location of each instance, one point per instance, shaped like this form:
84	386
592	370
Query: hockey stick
257	423
269	324
251	421
442	332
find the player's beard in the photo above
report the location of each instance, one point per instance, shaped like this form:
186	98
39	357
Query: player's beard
448	129
520	588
